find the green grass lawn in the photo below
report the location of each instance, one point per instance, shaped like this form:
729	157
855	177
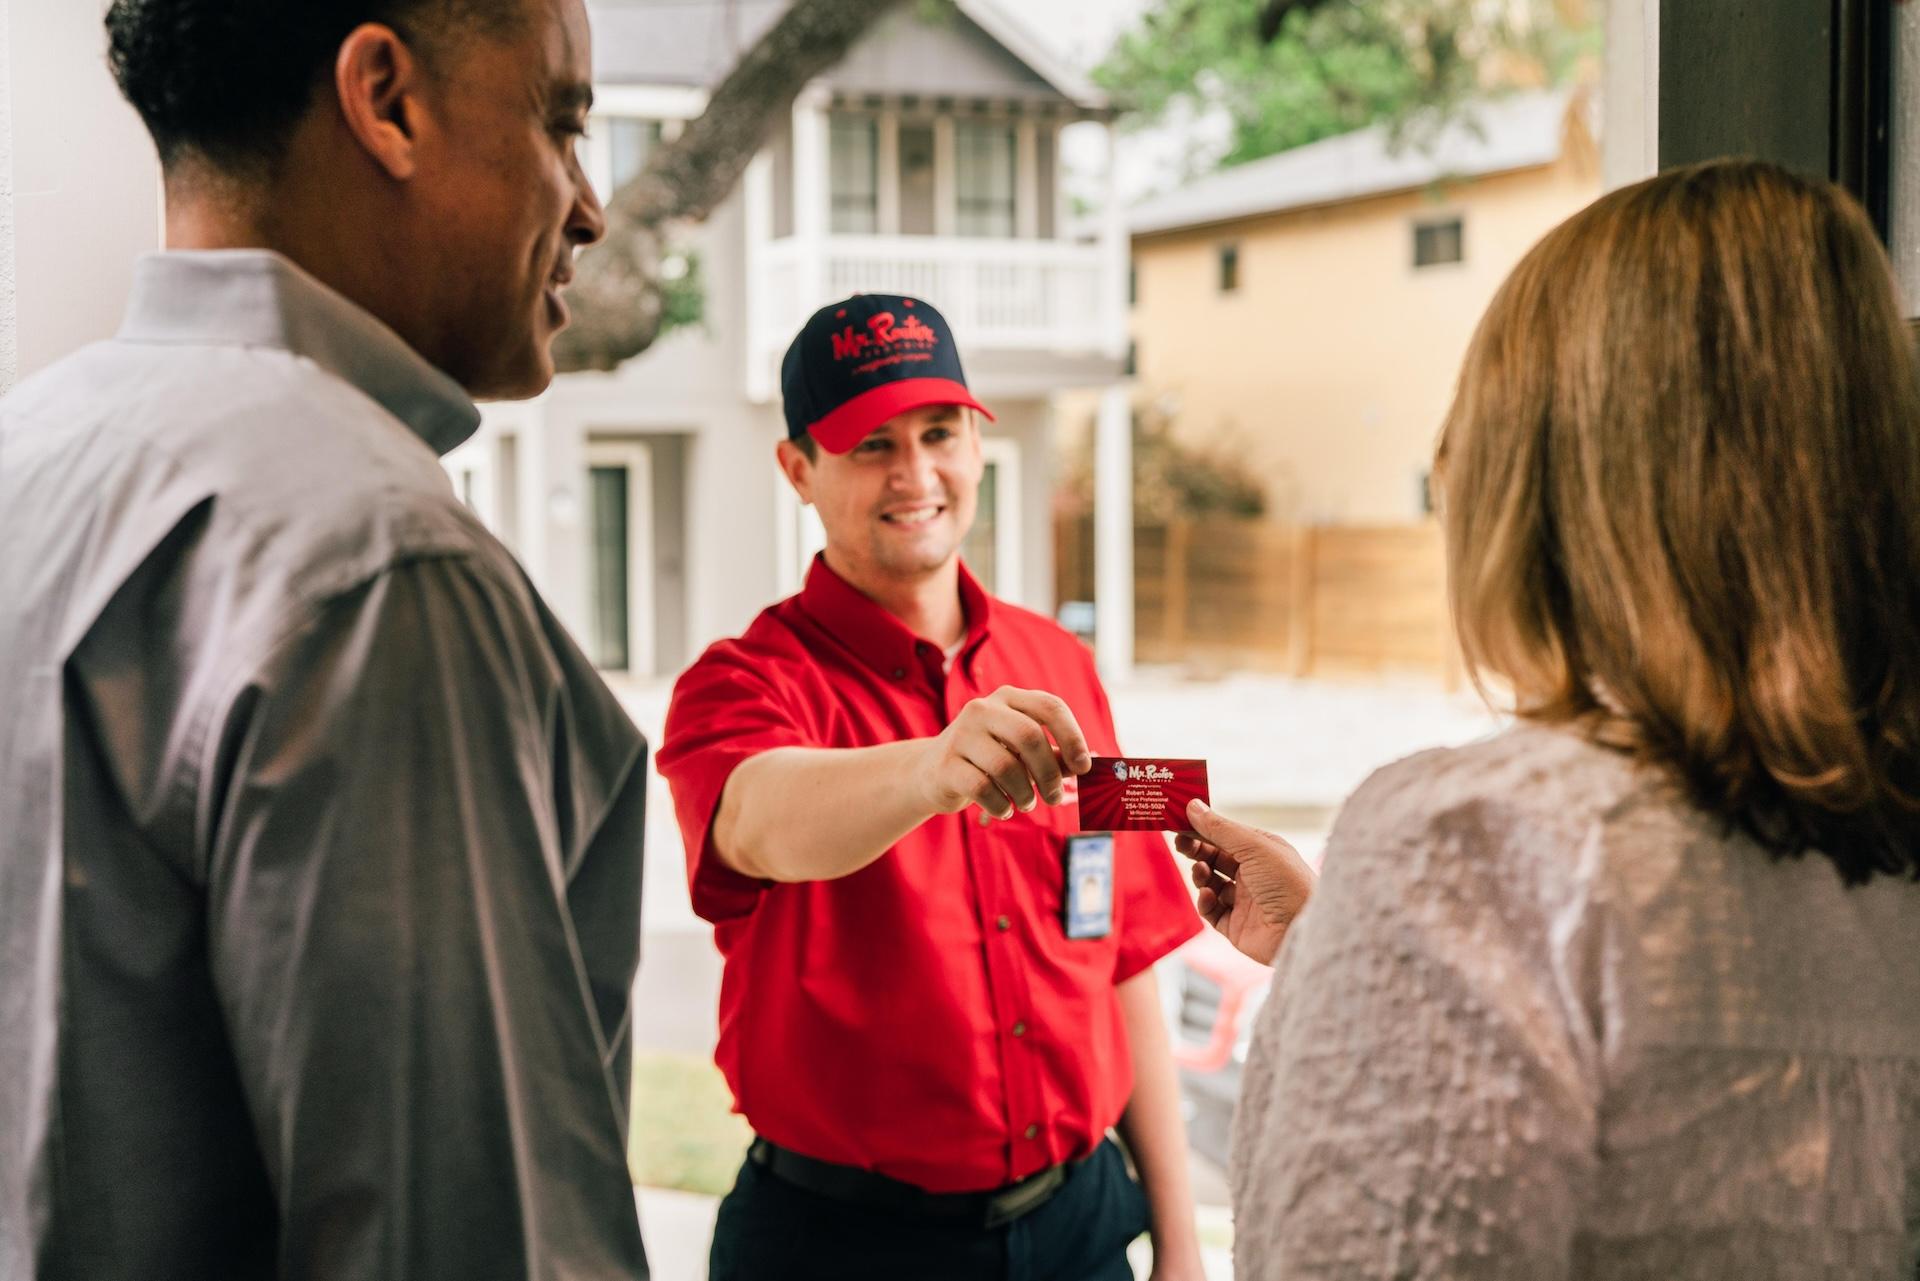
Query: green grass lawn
685	1134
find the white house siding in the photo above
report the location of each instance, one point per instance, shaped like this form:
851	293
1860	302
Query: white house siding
84	193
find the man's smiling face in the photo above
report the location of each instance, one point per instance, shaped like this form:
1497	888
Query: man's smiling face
898	505
509	198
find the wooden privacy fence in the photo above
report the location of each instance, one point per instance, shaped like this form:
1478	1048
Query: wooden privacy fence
1308	600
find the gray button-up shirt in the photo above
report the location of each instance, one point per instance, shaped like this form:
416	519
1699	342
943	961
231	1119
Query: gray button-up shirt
319	838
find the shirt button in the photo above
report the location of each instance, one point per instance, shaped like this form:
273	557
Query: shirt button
899	673
1019	1029
1033	1131
985	818
1004	924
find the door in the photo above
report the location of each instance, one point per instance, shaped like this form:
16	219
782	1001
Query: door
620	552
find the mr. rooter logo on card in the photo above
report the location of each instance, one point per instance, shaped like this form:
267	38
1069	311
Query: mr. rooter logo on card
1140	794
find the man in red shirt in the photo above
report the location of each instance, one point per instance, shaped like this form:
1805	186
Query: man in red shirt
878	826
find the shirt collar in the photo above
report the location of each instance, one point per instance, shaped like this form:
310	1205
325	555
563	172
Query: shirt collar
255	298
876	637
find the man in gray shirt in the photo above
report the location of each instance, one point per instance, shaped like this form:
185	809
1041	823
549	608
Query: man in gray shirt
319	838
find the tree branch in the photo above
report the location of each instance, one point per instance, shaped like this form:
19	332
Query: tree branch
616	299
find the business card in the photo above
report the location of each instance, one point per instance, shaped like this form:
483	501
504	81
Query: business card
1140	794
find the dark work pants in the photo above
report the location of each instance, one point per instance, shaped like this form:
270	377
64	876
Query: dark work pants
770	1230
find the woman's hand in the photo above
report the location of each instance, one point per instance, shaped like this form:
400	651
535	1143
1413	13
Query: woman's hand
1252	883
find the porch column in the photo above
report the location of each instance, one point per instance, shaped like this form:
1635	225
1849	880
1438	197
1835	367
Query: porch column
812	196
1113	535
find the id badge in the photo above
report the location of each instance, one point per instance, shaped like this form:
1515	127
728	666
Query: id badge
1089	896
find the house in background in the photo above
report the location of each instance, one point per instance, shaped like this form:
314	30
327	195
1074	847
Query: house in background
928	162
1309	311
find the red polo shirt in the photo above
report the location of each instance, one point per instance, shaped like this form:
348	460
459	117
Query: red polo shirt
925	1017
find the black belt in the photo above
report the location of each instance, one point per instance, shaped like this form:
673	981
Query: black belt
863	1187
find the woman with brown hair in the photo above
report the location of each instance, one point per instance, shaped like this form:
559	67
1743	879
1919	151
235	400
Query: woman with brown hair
1631	989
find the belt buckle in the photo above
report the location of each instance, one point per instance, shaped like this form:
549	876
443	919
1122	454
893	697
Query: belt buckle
1022	1198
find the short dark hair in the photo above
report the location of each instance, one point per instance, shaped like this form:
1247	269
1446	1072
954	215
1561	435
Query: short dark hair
226	81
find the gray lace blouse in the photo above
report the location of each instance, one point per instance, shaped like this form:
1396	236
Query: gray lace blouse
1544	1019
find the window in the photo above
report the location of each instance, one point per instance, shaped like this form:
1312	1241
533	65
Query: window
631	142
917	186
853	161
1133	284
1229	268
984	179
1438	242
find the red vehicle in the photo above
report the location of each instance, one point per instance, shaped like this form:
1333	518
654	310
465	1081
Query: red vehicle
1219	993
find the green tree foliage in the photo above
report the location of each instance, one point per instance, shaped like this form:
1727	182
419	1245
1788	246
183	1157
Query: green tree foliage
1333	66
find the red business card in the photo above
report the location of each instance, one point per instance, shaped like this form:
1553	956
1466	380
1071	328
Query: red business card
1140	794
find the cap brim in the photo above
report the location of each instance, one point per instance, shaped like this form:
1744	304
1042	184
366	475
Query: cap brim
852	422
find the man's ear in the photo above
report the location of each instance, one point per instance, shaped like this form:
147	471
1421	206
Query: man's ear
378	80
797	468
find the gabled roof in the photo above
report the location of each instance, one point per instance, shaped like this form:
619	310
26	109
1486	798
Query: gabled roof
1521	131
695	42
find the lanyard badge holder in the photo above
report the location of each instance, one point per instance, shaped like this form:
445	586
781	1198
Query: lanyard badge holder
1088	901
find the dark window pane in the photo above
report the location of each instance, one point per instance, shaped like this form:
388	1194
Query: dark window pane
984	179
608	498
916	180
853	175
1229	268
1438	242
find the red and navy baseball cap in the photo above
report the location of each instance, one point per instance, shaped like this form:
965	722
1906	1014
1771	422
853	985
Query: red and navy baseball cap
860	362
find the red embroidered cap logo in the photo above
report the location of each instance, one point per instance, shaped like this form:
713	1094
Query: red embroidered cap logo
860	362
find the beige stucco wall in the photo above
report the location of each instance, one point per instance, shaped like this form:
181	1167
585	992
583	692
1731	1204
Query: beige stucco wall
1333	364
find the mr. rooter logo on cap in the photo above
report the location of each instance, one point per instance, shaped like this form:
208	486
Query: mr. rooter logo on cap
885	333
864	360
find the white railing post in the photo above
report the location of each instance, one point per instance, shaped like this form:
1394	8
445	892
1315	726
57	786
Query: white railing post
1113	535
1117	251
757	194
812	196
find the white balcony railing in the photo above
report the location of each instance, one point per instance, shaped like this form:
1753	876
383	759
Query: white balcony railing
1023	295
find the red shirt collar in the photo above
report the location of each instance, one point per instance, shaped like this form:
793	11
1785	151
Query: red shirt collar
875	636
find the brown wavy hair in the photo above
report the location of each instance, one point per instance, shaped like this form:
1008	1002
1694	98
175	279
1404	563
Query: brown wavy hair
1681	493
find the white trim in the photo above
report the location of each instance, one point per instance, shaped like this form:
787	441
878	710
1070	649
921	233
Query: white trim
1025	45
1630	93
1113	535
1062	206
757	197
1009	547
598	161
1026	180
638	460
651	102
787	569
812	150
473	465
1116	249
